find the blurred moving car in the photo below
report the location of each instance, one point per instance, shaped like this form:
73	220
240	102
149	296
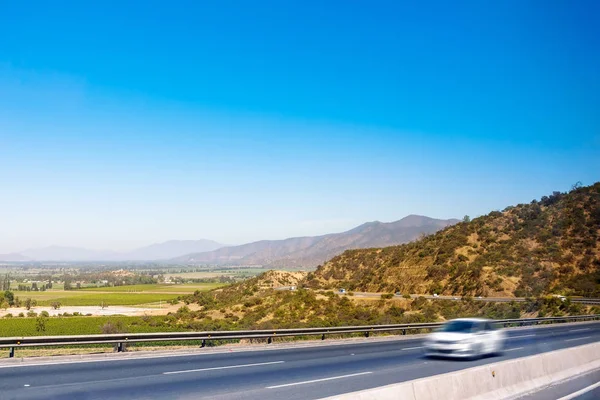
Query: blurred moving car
465	338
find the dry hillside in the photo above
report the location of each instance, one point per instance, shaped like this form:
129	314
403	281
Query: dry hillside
547	246
253	304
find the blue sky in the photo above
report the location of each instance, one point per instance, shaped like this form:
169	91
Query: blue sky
124	123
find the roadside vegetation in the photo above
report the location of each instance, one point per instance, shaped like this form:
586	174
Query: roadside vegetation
278	309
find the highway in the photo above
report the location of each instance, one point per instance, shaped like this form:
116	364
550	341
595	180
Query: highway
584	387
581	300
294	372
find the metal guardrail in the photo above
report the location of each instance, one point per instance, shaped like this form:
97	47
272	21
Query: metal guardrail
120	339
586	301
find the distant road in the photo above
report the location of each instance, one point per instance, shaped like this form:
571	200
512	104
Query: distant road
490	299
300	371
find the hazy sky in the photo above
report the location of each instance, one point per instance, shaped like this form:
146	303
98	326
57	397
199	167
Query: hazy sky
124	123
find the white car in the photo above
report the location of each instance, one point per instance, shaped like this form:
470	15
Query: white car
465	338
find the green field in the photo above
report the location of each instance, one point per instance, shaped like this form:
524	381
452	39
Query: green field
80	325
116	296
185	288
232	272
85	298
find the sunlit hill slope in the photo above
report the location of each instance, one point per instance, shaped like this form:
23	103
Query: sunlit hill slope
547	246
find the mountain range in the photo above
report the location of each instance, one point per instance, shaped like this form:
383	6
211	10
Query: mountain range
306	252
311	251
12	257
157	251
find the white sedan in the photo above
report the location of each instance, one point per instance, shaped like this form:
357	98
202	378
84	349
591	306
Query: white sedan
465	338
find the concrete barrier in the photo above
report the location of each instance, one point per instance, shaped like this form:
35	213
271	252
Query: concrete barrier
501	380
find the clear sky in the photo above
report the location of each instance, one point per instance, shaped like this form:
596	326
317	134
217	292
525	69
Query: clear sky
124	123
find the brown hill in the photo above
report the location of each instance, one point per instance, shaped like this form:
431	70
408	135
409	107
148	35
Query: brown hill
310	251
550	245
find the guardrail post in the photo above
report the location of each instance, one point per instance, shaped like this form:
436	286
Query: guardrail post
270	340
203	343
323	337
404	331
119	347
11	352
367	334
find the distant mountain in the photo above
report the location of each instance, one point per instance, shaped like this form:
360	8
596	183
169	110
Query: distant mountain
13	257
63	253
157	251
311	251
170	249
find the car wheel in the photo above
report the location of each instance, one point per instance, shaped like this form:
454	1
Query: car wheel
499	351
477	351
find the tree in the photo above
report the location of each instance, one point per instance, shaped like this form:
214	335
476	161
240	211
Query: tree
4	304
10	297
40	324
6	282
466	218
29	303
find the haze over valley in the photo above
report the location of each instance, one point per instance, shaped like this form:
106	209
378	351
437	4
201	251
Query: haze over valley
305	252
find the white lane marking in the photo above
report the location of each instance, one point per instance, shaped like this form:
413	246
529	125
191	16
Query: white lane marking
518	337
318	380
515	348
26	385
144	357
226	367
579	338
580	392
412	348
579	330
40	364
300	346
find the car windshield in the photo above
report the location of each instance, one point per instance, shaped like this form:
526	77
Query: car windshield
458	326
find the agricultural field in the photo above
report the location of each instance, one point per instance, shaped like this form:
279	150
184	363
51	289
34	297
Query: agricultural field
86	298
81	325
131	295
214	273
198	275
156	288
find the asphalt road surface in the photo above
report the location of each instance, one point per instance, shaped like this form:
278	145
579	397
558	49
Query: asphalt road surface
456	298
584	387
285	373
